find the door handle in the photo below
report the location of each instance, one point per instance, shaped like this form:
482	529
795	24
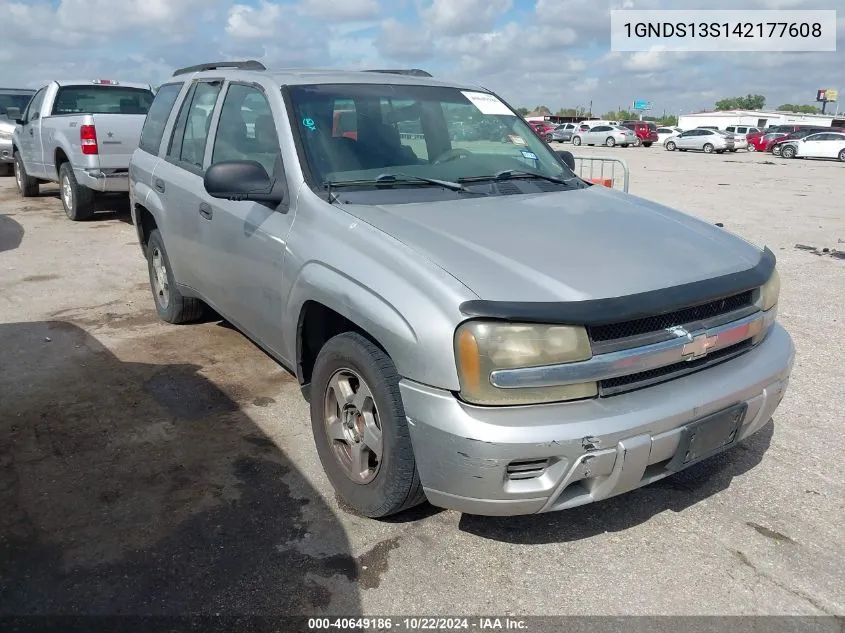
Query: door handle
205	211
159	185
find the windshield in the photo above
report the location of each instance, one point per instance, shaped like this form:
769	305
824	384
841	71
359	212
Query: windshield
14	100
355	133
102	100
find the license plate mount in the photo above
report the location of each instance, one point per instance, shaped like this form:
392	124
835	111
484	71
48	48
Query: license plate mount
704	437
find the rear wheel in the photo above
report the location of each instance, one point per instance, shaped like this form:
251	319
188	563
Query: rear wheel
360	428
610	142
670	146
171	306
751	147
842	155
576	140
788	152
77	200
708	148
27	185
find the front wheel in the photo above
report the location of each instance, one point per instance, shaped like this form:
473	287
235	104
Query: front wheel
708	148
171	305
549	138
751	147
77	200
360	428
788	152
670	146
610	142
27	185
576	140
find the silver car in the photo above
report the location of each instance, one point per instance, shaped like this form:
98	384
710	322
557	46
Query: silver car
562	133
701	139
609	135
470	321
16	99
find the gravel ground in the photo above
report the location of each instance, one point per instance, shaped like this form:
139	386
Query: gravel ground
155	469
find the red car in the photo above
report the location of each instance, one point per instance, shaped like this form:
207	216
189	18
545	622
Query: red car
761	141
646	132
542	128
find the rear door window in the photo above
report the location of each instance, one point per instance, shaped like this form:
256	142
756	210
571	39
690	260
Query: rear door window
102	100
157	117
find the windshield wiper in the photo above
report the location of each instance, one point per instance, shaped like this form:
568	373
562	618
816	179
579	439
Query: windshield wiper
398	179
509	174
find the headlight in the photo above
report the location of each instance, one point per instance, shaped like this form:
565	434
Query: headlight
768	296
482	347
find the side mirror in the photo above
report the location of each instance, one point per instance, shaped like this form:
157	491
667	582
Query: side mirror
14	114
243	180
567	158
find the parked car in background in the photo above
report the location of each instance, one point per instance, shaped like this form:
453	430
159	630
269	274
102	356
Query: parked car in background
665	132
15	98
760	142
789	127
740	141
776	145
645	131
820	145
608	135
742	130
82	136
701	139
561	133
549	360
543	128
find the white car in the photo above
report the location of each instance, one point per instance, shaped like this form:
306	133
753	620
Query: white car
665	132
609	135
819	145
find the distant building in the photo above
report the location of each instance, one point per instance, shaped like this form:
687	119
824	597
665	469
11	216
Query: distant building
756	118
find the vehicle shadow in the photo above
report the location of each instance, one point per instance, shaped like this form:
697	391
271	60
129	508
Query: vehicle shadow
11	233
142	489
675	493
107	206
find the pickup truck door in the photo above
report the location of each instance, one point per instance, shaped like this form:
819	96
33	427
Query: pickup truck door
30	136
245	242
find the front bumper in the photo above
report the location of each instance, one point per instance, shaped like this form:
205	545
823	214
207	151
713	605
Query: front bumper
525	460
106	181
6	155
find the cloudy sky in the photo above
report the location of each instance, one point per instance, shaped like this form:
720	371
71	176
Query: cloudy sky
551	52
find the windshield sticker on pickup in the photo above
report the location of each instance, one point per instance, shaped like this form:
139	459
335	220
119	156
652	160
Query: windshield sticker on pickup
309	123
486	103
529	155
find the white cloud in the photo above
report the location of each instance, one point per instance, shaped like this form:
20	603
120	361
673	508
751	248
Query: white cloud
467	16
340	10
110	16
248	22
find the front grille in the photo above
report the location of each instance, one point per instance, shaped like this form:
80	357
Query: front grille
659	322
613	386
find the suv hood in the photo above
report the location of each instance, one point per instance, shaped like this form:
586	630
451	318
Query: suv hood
591	243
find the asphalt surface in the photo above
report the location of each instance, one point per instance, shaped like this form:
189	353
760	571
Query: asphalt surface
155	469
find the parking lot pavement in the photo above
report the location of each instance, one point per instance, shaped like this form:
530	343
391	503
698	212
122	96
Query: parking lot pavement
148	468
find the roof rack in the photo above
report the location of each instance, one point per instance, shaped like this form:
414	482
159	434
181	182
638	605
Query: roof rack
413	72
249	64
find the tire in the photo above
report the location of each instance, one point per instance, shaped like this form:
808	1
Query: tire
646	144
610	142
708	148
171	306
549	138
27	185
733	151
670	146
77	201
776	150
576	140
751	147
788	152
842	155
392	483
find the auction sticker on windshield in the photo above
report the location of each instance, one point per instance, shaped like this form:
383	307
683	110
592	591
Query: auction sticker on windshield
486	103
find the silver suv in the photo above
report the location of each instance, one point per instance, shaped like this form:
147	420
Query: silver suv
471	322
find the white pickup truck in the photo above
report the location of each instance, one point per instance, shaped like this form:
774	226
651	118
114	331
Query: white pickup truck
80	134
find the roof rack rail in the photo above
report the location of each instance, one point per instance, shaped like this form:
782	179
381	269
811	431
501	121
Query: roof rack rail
413	72
249	64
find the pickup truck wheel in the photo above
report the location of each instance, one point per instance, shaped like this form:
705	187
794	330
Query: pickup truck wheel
171	306
27	185
360	428
78	201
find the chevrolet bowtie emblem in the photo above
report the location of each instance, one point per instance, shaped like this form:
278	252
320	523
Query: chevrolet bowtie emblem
699	346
